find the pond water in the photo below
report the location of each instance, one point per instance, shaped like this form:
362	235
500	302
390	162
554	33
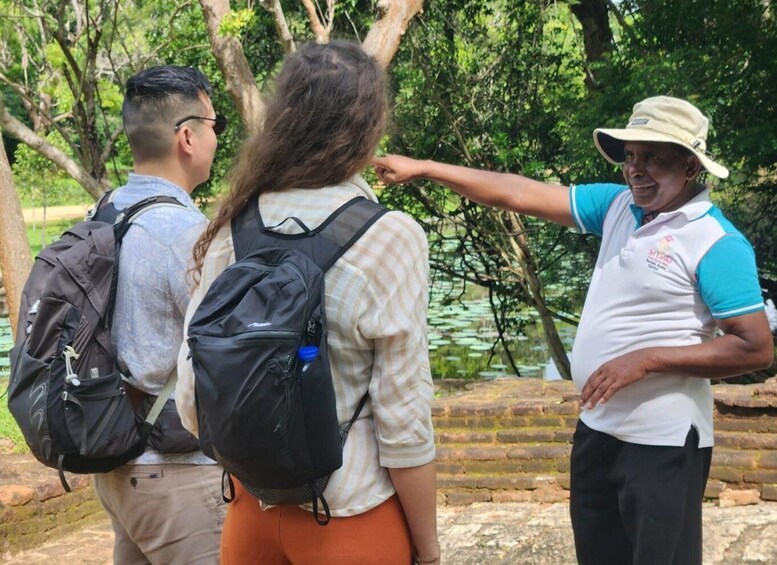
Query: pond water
462	339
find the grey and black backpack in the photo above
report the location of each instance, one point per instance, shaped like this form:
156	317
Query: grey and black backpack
266	405
66	391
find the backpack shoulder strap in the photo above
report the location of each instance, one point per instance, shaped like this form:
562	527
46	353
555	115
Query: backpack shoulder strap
99	206
121	225
345	226
324	245
247	230
159	403
130	213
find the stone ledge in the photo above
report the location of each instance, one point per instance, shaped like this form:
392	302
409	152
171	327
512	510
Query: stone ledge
512	429
531	421
34	506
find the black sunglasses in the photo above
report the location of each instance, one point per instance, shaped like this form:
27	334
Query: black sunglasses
220	122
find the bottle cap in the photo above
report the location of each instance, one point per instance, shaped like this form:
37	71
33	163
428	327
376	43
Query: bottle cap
307	353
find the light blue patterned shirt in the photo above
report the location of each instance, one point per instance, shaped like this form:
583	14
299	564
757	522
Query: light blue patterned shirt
154	289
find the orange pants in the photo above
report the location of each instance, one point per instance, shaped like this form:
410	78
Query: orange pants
288	535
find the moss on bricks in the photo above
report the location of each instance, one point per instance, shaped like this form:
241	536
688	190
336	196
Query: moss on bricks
32	524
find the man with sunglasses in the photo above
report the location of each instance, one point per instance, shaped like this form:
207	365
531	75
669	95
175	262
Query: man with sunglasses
166	505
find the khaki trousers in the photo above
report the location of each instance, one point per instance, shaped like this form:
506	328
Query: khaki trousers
164	514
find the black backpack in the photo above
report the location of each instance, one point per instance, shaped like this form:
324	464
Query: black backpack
66	391
267	416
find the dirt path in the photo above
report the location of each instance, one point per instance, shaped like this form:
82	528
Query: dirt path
54	213
488	534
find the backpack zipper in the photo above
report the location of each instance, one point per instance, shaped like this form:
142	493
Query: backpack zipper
286	379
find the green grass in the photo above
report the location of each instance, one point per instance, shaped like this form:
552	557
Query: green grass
8	427
53	230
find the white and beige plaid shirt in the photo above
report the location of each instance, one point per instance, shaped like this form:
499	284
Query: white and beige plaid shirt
376	305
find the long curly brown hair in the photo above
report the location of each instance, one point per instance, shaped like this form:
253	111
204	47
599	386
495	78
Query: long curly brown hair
324	119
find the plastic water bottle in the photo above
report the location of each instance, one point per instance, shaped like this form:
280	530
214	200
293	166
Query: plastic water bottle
306	355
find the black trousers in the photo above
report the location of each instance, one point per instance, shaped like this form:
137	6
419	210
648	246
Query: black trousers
637	504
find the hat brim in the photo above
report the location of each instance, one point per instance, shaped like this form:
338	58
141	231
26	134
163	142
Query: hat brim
610	144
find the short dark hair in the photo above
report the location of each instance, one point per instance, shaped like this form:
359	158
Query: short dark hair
154	99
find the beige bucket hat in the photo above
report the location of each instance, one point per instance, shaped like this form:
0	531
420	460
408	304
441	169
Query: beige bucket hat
662	119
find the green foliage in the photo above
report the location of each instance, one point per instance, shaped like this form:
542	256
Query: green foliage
235	22
40	182
500	85
486	85
719	55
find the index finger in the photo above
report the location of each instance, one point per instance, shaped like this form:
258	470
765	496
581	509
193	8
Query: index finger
377	161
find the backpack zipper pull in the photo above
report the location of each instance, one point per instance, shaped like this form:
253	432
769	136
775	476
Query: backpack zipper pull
287	397
71	377
311	329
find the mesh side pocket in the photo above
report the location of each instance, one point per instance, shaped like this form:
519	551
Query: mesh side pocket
28	391
100	417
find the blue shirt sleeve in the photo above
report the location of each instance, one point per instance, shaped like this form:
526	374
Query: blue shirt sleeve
589	204
728	279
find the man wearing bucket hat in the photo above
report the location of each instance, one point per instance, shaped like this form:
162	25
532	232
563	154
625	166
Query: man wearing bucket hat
671	271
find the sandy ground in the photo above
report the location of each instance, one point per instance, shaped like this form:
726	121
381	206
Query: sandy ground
54	213
488	534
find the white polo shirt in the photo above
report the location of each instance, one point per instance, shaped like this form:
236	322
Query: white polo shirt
661	284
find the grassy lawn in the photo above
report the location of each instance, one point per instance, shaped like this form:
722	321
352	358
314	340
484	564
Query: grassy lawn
8	427
53	230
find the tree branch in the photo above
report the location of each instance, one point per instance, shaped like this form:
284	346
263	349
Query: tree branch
109	144
383	39
281	26
18	130
232	62
620	19
321	26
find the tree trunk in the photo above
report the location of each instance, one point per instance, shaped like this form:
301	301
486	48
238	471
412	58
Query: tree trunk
232	62
15	260
381	42
383	39
597	35
537	291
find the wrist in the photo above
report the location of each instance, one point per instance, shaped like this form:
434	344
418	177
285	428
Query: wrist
430	557
419	561
428	170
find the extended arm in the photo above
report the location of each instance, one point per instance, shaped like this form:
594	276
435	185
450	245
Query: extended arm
416	489
401	388
500	190
745	346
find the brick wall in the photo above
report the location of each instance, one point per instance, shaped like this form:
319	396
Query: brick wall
510	440
34	506
505	440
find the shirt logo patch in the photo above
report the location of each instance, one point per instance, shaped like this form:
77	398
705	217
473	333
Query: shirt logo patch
659	258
